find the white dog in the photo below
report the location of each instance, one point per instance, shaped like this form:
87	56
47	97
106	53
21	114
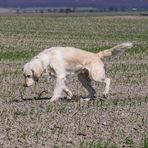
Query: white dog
62	61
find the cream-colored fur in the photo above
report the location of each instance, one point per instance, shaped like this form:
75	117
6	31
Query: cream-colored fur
62	61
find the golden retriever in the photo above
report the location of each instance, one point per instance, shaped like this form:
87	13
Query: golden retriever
62	61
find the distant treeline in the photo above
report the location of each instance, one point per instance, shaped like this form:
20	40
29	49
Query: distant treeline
70	10
66	10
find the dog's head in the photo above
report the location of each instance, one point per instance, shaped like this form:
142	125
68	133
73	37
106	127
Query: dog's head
32	73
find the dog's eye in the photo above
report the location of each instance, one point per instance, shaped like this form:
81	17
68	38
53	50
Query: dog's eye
28	76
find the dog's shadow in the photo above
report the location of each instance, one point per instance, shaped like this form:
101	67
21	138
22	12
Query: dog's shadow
40	97
36	98
75	98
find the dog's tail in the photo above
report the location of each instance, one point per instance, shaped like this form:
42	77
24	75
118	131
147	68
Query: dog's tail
115	50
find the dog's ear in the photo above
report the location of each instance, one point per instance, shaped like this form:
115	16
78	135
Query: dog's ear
36	76
22	66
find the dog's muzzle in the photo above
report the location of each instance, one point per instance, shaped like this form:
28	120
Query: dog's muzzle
25	85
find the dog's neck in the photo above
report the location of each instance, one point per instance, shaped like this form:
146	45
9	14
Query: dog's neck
44	61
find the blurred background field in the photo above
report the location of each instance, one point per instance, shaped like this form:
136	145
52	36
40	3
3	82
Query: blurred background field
25	35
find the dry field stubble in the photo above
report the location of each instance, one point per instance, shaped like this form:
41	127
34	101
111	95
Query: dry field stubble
27	119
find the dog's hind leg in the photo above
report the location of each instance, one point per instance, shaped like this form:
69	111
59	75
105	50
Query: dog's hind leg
86	82
98	74
107	87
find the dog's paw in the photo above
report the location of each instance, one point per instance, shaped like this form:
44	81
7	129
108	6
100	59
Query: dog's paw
87	98
53	99
69	97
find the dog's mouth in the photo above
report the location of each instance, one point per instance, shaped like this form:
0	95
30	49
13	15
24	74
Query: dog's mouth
25	85
29	82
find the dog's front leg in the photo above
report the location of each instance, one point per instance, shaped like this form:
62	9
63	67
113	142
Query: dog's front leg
59	88
68	93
